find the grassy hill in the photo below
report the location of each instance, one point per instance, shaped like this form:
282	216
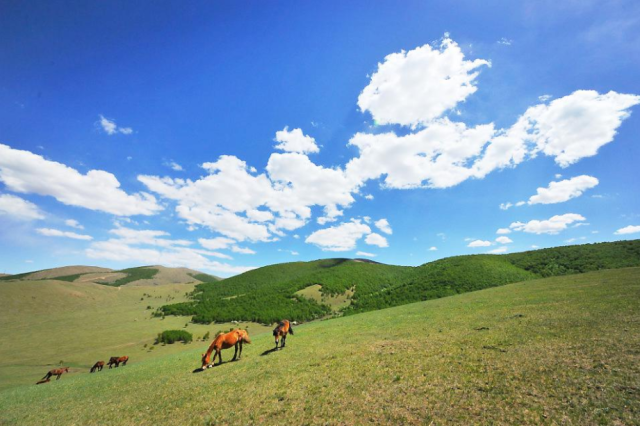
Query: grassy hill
267	294
141	276
560	350
44	322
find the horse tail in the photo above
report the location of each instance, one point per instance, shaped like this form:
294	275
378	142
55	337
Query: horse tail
290	329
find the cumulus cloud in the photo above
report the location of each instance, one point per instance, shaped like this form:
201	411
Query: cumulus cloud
498	250
73	224
504	240
550	226
433	248
415	87
479	243
19	208
383	225
376	240
631	229
365	254
48	232
343	237
577	125
28	173
295	141
174	166
110	127
503	231
564	190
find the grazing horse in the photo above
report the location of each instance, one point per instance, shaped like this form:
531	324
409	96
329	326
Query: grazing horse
55	372
225	341
114	360
97	366
282	330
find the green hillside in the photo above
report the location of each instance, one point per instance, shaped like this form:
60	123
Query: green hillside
267	294
560	350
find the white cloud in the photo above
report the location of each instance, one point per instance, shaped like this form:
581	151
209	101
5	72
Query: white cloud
216	243
535	246
498	250
558	175
242	250
174	166
577	125
122	251
631	229
383	225
504	41
57	233
544	98
564	190
73	224
503	231
343	237
368	197
28	173
376	240
433	248
110	127
550	226
504	240
573	240
365	254
505	206
415	87
479	243
295	141
19	208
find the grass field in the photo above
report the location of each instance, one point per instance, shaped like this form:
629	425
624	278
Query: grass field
562	350
45	322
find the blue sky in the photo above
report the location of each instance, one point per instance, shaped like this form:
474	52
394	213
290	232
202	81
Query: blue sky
229	135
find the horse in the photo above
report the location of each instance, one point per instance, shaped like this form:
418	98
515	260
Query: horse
55	372
282	330
114	360
224	341
97	366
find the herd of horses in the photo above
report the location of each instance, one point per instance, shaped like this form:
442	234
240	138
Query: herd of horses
233	339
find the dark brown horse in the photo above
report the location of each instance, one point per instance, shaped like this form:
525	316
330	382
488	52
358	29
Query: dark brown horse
114	360
234	338
97	366
282	330
55	372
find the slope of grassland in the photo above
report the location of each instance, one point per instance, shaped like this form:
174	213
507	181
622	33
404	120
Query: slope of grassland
45	322
561	350
140	276
278	291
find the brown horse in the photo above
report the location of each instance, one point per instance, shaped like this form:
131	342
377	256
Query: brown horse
55	372
282	330
114	360
225	341
97	366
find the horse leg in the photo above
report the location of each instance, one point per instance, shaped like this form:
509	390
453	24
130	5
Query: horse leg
240	355
235	355
284	340
219	357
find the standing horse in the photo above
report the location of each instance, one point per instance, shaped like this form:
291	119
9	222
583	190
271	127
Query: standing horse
224	341
97	366
282	330
55	372
114	360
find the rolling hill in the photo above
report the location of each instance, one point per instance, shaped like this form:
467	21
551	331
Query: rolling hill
267	294
559	350
141	276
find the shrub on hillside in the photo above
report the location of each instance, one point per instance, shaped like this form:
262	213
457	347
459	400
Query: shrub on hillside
172	336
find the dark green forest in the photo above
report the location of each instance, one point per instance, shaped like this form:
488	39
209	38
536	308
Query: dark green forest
267	294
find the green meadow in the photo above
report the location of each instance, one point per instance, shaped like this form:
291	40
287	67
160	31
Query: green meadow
560	350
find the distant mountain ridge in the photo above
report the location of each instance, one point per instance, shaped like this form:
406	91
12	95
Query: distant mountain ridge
140	276
270	293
